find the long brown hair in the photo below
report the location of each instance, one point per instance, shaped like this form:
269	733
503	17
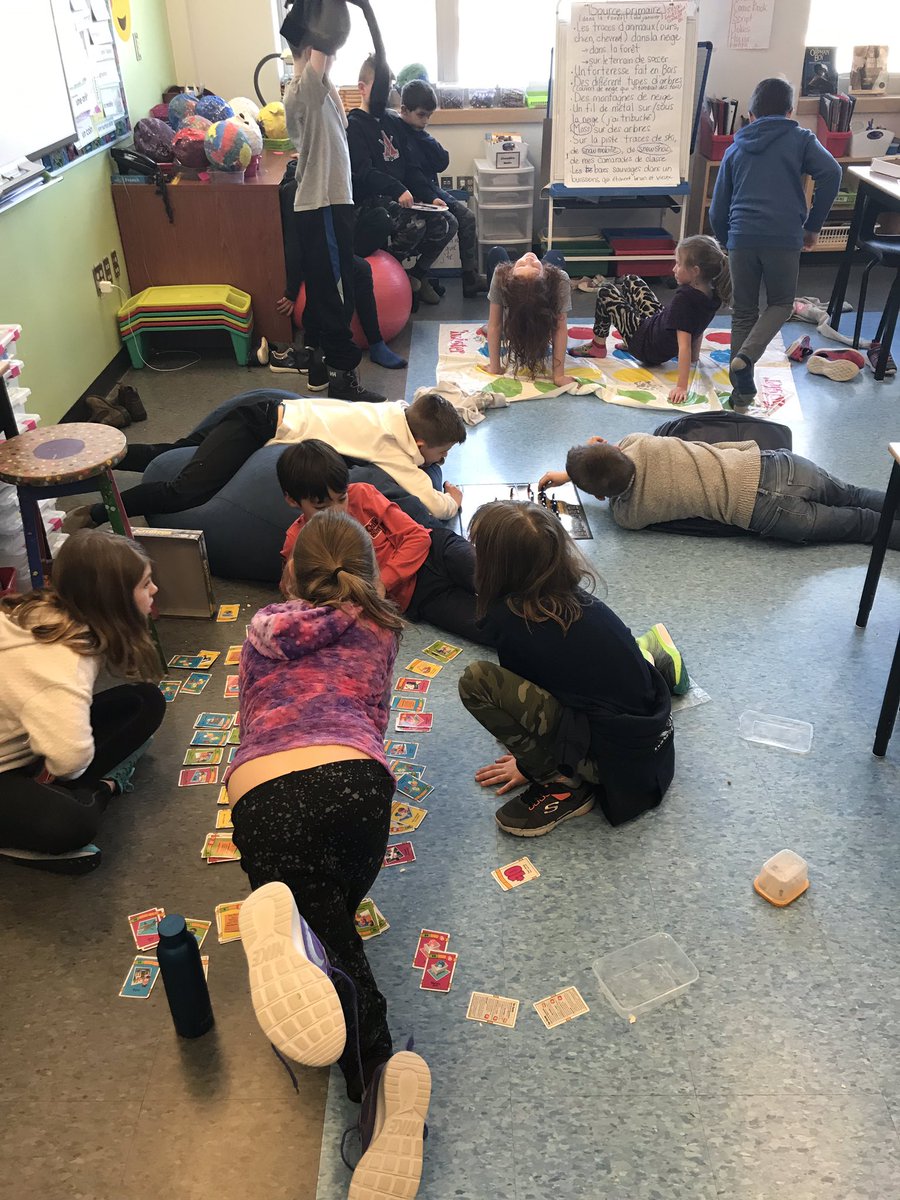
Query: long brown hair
531	308
705	253
89	605
333	563
525	557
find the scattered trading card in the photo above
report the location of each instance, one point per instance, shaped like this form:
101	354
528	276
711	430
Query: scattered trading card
209	657
400	852
195	683
407	684
233	657
438	973
442	651
223	819
405	818
209	737
222	797
187	662
414	722
430	940
228	612
209	720
236	720
203	756
218	847
413	787
169	688
231	687
370	920
192	776
420	667
227	925
516	873
234	736
561	1007
408	703
400	749
204	963
399	767
140	978
493	1010
144	927
198	928
232	751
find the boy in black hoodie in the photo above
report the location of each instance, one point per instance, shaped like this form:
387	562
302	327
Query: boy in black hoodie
384	178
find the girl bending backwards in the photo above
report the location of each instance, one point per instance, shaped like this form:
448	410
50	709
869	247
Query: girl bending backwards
310	793
655	332
529	300
584	717
65	752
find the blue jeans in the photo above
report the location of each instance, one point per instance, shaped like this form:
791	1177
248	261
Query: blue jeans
499	254
798	501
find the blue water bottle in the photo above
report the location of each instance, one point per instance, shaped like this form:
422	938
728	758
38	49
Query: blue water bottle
182	972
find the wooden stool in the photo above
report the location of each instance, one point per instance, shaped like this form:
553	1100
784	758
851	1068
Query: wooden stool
63	460
891	701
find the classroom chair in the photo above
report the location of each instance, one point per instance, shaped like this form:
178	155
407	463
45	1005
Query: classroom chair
883	251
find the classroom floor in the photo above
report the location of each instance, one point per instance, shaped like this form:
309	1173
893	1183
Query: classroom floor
776	1074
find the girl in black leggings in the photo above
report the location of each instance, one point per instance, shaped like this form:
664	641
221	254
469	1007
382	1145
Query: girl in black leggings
64	752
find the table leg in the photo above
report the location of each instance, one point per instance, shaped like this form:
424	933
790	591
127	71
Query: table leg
889	707
879	546
839	291
36	546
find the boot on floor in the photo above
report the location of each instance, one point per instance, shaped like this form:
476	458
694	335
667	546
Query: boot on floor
345	385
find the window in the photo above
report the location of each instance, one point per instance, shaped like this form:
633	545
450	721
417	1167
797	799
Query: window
505	42
871	21
409	34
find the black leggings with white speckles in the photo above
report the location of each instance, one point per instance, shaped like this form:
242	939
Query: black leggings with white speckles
323	832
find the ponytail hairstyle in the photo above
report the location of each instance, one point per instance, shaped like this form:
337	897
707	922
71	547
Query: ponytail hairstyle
707	255
333	564
531	308
89	605
525	557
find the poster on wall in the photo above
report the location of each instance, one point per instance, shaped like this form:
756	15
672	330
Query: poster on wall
750	27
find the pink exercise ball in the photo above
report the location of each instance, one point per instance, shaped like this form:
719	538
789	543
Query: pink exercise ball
393	299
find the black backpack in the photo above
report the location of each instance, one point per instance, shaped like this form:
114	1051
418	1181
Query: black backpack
712	428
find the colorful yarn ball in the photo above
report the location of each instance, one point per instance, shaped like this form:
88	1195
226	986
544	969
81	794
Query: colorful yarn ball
254	137
181	106
190	148
153	138
195	122
272	121
245	110
227	146
214	108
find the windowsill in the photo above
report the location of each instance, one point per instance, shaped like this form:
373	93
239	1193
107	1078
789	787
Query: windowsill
488	116
809	105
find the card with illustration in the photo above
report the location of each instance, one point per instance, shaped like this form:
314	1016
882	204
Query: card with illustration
195	683
400	749
209	737
370	920
405	818
209	657
222	797
233	657
227	925
192	776
439	968
208	756
516	873
144	927
234	736
210	720
231	687
420	722
400	852
493	1010
198	928
218	847
228	612
407	683
139	981
413	787
420	667
188	662
170	688
223	819
408	703
399	767
429	940
443	651
561	1007
232	751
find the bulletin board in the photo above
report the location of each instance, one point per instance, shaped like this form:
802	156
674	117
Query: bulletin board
93	76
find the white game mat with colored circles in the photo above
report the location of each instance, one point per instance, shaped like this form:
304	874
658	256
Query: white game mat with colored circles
619	378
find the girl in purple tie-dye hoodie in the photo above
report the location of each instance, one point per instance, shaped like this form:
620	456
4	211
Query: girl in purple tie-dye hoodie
310	788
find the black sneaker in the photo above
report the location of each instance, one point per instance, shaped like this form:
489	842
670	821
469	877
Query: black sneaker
543	806
289	360
345	385
74	862
317	372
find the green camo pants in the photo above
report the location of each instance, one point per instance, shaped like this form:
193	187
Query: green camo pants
521	715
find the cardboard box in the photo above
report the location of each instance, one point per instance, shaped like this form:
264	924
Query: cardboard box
887	166
180	571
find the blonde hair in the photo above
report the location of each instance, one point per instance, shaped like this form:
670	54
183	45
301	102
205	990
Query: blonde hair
333	564
89	605
705	253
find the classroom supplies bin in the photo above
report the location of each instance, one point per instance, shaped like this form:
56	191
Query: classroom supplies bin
642	241
584	248
769	730
645	974
837	144
713	145
503	223
488	176
501	195
783	878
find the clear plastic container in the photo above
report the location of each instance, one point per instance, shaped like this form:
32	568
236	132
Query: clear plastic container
645	974
783	878
452	96
503	223
783	732
491	177
487	196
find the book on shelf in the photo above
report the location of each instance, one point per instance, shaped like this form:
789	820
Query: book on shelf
819	71
836	111
869	70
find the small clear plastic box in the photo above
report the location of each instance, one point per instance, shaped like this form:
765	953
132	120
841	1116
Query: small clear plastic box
645	974
783	878
783	732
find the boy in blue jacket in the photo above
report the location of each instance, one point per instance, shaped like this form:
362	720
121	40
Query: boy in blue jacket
759	213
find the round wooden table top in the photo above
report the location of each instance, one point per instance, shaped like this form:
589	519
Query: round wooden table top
60	454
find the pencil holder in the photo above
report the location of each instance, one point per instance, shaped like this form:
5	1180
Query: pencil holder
713	145
837	144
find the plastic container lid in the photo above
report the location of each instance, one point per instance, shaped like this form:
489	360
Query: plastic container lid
645	974
769	730
783	878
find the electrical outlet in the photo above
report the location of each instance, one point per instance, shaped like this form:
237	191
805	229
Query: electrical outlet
447	182
107	270
114	259
465	183
97	273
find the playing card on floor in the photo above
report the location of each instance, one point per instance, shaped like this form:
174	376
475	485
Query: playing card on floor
561	1007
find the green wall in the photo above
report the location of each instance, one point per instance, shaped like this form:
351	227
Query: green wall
51	241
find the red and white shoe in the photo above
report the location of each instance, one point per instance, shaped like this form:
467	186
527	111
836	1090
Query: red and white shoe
840	365
799	350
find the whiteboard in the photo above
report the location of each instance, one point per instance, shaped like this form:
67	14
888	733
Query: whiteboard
34	99
622	94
